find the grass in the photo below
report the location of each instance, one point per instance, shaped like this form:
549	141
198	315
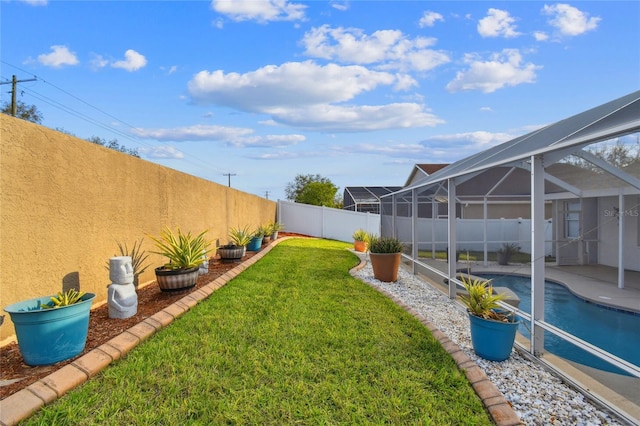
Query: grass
293	339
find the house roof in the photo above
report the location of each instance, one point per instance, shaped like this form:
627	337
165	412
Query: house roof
558	140
423	170
369	194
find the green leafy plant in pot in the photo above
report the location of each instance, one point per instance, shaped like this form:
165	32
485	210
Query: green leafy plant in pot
237	247
185	253
360	240
493	328
504	253
274	228
51	329
385	254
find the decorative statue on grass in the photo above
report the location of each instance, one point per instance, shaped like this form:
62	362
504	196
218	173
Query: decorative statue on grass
122	296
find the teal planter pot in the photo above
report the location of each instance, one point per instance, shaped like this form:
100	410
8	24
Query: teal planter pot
492	340
255	244
47	336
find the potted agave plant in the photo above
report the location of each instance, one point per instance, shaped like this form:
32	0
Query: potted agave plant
185	253
360	240
504	253
237	247
385	254
493	329
53	328
274	228
257	237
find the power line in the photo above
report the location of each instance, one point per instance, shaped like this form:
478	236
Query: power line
229	176
196	161
14	82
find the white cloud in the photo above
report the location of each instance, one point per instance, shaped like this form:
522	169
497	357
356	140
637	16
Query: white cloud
497	23
388	49
429	19
164	151
304	94
193	133
501	70
60	56
35	2
360	118
98	62
341	6
569	20
235	136
133	61
540	36
292	84
479	140
260	11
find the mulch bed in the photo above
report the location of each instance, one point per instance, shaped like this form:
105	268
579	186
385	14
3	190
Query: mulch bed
102	328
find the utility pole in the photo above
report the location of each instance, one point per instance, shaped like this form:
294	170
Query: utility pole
229	176
14	82
266	195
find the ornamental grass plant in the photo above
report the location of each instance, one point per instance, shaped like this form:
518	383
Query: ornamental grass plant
293	339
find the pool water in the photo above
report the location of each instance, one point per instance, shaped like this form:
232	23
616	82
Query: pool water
615	331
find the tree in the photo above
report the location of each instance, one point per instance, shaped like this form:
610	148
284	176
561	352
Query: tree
24	111
114	144
313	189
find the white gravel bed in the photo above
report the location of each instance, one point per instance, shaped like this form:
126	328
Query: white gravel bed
537	396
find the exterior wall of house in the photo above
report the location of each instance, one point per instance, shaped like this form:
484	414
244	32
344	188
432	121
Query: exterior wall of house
65	204
512	210
609	227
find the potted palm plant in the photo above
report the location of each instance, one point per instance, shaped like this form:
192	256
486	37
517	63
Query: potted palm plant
505	252
274	228
256	239
237	247
53	328
385	254
493	329
185	253
360	240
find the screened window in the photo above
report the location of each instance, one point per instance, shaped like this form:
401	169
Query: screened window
572	220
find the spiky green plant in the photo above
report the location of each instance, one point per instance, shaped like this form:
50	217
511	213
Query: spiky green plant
137	255
481	301
184	251
360	235
67	298
240	236
385	245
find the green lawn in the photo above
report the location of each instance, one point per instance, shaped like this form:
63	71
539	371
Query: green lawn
293	339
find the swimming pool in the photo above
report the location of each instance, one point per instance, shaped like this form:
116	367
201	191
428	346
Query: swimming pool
615	331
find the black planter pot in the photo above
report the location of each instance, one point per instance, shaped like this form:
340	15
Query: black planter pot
231	253
175	280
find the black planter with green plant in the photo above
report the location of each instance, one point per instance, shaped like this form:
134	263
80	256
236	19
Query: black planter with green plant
185	253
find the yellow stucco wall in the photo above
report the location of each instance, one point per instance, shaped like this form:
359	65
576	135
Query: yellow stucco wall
65	203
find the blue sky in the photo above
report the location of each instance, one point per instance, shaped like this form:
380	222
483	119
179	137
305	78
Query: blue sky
356	91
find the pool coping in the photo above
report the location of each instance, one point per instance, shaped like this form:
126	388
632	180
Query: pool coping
27	401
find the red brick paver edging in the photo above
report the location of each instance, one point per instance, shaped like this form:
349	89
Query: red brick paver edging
500	410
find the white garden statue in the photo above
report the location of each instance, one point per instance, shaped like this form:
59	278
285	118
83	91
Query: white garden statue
122	296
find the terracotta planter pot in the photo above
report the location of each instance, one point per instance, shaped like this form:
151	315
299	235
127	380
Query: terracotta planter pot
385	266
173	280
360	246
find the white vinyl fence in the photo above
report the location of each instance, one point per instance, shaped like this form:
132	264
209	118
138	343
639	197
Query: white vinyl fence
336	224
325	222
